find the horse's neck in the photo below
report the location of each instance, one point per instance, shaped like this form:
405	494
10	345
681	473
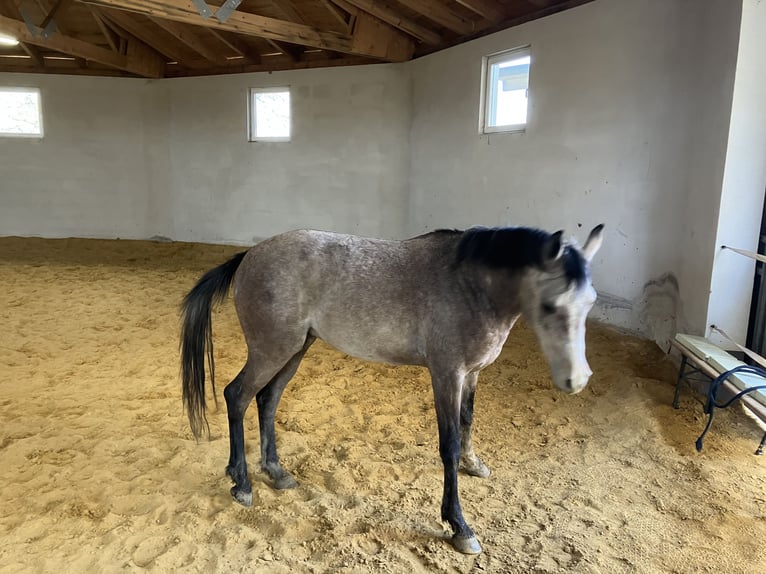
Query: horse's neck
497	290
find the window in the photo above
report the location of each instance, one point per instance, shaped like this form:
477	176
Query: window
20	114
504	91
269	112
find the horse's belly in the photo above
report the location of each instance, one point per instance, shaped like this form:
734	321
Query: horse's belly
374	343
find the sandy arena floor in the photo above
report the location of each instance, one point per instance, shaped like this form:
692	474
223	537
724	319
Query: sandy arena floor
99	472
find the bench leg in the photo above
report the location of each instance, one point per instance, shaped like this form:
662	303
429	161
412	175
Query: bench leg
679	382
759	450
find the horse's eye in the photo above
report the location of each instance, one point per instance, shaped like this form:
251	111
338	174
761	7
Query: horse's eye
548	309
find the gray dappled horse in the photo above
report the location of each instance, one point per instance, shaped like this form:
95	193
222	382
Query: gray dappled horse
445	300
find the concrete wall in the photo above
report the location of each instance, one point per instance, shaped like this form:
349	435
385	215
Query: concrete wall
87	177
710	99
134	158
744	181
346	168
613	135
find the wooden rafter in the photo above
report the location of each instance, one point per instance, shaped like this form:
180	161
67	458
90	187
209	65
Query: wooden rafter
112	38
352	10
288	8
388	43
188	36
292	52
373	35
238	45
285	65
33	53
144	33
396	20
51	9
73	71
59	6
441	14
138	59
171	38
484	8
8	8
340	16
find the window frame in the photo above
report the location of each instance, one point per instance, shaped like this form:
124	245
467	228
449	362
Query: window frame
251	114
486	89
27	89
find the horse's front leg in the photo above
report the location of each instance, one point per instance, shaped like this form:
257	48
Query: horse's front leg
447	396
469	462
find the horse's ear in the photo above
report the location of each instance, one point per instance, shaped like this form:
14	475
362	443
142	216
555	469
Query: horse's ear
553	247
593	243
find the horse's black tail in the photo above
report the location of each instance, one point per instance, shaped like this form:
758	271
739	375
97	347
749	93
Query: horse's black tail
197	338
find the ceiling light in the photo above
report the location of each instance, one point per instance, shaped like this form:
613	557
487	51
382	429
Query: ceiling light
8	40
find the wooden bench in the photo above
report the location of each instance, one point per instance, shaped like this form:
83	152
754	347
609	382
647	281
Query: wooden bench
699	356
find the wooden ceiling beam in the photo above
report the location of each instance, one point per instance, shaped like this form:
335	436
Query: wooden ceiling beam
352	10
484	8
340	16
112	37
146	34
33	53
244	23
372	34
138	60
238	45
189	37
388	44
292	52
284	65
289	10
442	15
8	8
60	70
396	20
59	6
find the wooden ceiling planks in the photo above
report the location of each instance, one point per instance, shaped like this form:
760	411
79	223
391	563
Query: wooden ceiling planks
169	38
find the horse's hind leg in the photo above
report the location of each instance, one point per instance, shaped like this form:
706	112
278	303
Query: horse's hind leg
267	400
469	462
239	394
237	402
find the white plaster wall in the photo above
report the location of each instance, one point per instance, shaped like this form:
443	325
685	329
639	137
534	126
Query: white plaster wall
345	168
87	176
744	181
134	158
612	119
709	99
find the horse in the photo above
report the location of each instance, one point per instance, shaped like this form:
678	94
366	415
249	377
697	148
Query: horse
445	300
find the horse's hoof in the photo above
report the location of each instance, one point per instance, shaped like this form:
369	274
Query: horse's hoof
477	468
244	498
466	544
285	482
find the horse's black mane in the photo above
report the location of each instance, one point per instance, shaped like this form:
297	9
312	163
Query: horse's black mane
514	248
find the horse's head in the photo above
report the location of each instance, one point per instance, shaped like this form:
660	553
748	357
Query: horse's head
556	300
